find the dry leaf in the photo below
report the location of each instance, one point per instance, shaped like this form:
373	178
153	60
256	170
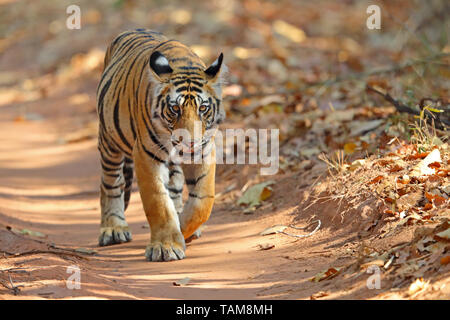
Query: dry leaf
349	148
422	168
273	230
395	168
445	260
444	235
182	282
417	286
28	232
326	274
318	295
356	164
376	180
255	194
265	246
85	251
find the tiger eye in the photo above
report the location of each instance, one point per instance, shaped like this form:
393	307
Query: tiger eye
176	108
203	108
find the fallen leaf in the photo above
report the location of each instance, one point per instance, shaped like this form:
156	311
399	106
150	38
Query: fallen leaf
326	274
417	286
28	232
395	168
85	251
422	168
273	230
376	180
438	201
429	196
356	164
404	180
265	246
349	148
377	262
384	162
182	282
445	260
434	165
318	295
416	156
255	194
444	235
289	31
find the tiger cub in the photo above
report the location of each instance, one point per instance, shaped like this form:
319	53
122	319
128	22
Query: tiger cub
150	87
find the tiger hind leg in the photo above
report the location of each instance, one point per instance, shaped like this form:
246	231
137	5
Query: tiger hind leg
114	196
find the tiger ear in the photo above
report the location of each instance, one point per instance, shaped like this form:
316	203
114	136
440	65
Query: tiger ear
214	68
159	65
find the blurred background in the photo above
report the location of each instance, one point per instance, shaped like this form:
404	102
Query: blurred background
290	61
271	47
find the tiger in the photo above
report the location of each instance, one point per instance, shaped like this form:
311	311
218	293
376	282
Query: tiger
150	87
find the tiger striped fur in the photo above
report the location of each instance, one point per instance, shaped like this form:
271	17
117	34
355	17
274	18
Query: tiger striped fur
150	87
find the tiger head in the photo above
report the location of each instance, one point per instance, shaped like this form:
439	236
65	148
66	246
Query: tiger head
187	99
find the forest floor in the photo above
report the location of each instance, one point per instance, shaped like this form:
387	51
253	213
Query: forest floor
381	195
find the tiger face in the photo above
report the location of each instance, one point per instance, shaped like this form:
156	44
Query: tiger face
187	102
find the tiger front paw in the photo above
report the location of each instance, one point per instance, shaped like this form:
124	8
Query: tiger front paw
114	235
166	249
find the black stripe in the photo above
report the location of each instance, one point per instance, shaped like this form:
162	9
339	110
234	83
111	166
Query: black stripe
172	172
117	196
151	155
163	43
184	88
189	68
117	126
195	181
174	190
193	195
133	43
101	102
149	126
112	175
185	78
115	215
110	187
193	88
106	169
